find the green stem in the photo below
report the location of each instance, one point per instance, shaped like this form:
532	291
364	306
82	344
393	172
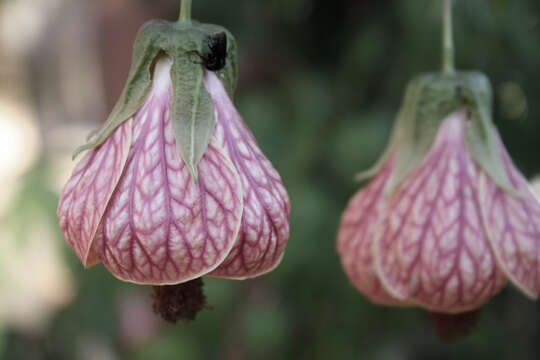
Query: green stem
448	65
185	12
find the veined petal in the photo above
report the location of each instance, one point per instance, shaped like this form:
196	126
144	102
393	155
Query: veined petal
356	234
86	195
432	248
161	227
513	226
265	223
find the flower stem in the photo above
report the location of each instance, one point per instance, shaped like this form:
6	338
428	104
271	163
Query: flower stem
448	65
185	12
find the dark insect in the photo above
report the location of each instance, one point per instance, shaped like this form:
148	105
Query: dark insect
215	60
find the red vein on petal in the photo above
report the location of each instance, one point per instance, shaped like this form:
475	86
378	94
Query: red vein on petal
356	234
432	248
513	227
161	227
86	195
265	223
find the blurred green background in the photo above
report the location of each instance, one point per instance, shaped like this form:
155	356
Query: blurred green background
320	83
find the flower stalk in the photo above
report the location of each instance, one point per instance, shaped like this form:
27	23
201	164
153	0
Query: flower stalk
185	12
448	64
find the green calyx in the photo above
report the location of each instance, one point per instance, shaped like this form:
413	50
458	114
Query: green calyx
192	109
429	99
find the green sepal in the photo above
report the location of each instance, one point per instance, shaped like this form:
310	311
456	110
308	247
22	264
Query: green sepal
482	136
431	98
192	109
192	112
398	132
138	85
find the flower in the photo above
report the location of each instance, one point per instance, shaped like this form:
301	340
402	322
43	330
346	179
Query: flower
447	218
174	186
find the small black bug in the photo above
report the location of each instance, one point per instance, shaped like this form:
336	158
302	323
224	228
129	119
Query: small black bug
215	60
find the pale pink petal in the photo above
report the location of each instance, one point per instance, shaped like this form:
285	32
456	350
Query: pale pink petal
265	223
513	226
87	193
161	227
432	248
356	234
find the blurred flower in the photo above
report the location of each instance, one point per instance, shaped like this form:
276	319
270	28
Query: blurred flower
34	282
19	139
22	22
447	217
34	279
174	186
19	146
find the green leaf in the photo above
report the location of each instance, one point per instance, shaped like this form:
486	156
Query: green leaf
192	111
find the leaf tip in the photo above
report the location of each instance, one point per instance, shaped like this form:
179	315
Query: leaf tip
194	173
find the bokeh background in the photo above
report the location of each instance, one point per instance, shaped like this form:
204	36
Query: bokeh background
320	83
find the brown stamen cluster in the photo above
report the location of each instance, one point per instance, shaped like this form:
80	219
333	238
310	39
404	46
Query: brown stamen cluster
179	302
455	326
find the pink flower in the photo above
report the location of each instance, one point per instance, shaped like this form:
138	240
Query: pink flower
443	228
133	204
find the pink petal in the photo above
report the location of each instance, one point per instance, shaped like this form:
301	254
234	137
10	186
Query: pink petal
161	227
432	247
87	193
513	227
265	223
356	234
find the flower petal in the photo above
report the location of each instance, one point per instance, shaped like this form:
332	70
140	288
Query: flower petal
356	234
264	232
513	227
86	195
432	247
160	226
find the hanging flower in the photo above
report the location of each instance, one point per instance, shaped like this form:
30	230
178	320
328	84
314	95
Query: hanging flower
447	218
174	186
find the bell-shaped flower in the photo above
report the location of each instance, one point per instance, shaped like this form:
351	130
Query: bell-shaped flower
447	217
174	186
